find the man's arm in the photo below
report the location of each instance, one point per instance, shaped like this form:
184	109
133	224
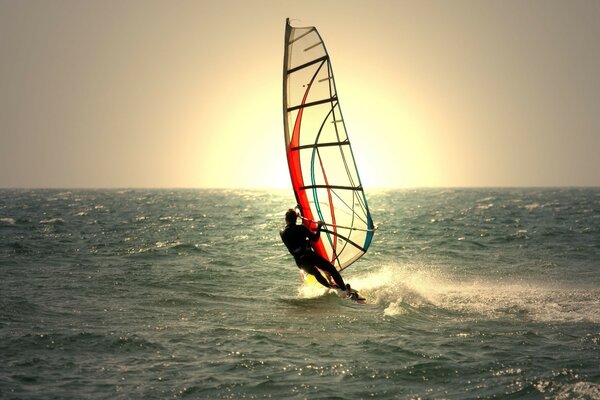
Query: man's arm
315	236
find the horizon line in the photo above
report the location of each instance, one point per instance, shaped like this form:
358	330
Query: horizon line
366	189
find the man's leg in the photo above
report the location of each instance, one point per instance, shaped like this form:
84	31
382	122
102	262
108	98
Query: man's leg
326	266
315	272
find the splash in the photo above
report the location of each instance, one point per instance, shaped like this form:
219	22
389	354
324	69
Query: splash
395	288
310	291
402	288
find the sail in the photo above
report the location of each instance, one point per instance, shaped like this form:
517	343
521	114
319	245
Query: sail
322	167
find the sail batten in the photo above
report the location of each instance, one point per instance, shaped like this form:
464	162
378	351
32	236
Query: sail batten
313	46
305	65
331	187
322	168
313	103
301	36
312	146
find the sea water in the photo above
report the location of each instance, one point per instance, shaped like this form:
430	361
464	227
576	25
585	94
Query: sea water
471	293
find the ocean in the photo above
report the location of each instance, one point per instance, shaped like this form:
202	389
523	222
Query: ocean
155	294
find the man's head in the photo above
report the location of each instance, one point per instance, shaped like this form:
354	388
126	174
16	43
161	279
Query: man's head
291	216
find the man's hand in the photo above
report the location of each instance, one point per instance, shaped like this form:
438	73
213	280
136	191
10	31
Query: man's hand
320	224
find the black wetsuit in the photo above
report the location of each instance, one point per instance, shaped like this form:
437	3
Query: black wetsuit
297	239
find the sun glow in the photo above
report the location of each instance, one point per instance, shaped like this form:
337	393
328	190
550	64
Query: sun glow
243	145
391	141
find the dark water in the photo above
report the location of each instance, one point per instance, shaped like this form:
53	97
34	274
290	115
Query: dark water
487	293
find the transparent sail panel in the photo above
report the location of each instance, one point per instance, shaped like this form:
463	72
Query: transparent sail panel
322	167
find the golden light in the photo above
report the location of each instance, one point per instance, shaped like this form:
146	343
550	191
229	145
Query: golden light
391	140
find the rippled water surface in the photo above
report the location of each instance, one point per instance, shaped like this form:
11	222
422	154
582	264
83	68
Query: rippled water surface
472	293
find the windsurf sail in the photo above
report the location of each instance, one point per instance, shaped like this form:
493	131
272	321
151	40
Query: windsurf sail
322	166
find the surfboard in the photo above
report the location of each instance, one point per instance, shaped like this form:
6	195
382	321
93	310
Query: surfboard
310	280
358	299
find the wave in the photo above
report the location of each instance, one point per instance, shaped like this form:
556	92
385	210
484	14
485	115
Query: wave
403	289
7	221
80	341
578	390
167	247
52	221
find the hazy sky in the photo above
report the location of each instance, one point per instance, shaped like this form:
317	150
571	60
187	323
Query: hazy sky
188	93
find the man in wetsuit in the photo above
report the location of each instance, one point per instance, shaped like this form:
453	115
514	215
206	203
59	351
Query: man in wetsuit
297	239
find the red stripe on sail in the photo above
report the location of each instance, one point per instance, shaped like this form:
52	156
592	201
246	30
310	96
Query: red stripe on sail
332	212
295	166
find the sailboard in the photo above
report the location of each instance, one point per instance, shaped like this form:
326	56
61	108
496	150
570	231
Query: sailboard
322	167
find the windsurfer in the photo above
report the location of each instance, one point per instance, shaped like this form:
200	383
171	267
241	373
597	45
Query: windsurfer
297	239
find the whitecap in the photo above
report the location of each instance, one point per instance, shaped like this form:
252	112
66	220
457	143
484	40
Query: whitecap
52	221
393	309
579	390
532	206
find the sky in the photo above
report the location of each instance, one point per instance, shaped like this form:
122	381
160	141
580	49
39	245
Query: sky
188	94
